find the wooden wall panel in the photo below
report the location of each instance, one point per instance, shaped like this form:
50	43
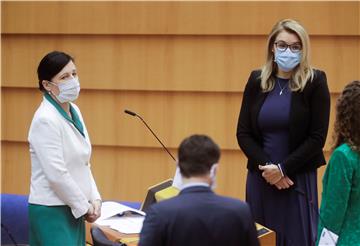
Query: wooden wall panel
231	177
173	116
166	62
180	17
15	168
18	108
123	173
126	173
169	63
181	65
120	173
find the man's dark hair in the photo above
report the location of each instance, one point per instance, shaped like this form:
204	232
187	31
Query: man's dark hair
197	154
51	65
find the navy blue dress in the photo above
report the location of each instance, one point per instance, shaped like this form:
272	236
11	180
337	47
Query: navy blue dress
291	213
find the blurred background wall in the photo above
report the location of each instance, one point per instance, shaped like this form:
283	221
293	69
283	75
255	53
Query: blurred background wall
181	65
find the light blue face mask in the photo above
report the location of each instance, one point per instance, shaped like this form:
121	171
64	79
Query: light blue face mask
287	60
69	90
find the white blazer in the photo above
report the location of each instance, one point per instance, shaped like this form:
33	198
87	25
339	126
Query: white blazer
60	162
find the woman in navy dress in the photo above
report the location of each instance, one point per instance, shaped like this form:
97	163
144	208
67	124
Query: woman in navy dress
282	129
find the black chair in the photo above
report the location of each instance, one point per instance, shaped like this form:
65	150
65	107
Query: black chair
99	238
14	219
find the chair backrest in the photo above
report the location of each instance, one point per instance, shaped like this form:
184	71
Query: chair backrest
100	239
14	219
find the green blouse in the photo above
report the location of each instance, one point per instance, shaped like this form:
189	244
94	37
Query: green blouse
340	204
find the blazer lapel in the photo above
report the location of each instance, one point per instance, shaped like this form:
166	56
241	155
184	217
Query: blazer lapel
85	140
256	110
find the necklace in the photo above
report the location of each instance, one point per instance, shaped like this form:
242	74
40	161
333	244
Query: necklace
281	88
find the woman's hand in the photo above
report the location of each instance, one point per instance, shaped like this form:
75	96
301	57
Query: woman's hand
271	173
88	215
94	211
97	207
284	183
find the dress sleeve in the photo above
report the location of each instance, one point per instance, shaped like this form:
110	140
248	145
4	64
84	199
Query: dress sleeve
244	132
95	195
319	116
336	192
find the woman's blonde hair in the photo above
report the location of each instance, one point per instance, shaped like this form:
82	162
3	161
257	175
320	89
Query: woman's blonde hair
301	73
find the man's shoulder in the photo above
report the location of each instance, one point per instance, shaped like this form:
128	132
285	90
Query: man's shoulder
232	202
166	207
171	202
182	201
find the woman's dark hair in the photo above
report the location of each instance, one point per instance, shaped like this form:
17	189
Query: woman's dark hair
197	154
347	123
51	65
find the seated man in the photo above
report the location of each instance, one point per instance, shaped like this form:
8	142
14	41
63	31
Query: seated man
197	216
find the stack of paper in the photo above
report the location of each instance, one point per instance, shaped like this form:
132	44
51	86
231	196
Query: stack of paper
121	218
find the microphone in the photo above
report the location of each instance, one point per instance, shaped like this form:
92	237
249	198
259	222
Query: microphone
148	127
130	112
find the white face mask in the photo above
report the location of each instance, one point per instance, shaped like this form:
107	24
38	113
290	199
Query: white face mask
69	90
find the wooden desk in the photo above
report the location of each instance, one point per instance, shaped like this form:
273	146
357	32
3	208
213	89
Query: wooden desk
266	239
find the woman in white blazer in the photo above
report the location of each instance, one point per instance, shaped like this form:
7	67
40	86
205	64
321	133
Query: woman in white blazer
63	192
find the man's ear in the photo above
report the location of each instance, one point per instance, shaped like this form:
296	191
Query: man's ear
213	170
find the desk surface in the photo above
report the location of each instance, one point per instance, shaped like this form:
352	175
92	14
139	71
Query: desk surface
267	238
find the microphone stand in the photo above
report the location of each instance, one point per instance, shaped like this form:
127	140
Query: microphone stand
148	127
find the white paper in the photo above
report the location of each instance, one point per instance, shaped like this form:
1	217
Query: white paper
117	216
109	209
328	238
125	224
108	222
177	179
128	224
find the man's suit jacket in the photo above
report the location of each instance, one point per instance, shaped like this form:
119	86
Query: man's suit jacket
197	216
309	121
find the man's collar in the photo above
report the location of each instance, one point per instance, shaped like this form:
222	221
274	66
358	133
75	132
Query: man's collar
192	184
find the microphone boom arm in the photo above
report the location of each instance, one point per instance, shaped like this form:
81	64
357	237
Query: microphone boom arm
148	127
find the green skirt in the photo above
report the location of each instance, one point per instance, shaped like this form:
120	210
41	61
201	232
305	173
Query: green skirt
55	225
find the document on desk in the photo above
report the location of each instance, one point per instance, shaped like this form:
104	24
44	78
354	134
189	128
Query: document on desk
109	209
125	224
121	218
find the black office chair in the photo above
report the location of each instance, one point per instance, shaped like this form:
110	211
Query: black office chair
14	219
99	238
